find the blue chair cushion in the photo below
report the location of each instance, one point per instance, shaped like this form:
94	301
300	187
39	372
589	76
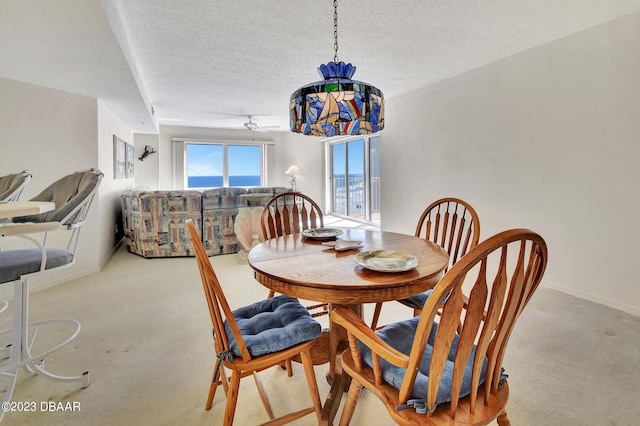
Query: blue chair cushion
15	263
272	325
400	336
420	299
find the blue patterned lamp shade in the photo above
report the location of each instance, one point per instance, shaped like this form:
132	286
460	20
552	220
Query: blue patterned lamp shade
336	105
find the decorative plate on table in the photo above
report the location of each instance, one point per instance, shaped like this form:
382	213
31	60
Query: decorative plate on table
321	233
342	245
386	260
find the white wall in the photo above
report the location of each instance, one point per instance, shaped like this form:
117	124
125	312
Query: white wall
547	140
306	152
110	232
147	171
52	134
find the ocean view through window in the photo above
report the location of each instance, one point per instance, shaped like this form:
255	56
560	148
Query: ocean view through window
217	181
212	165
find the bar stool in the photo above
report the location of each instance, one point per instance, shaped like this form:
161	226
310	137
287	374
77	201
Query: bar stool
72	196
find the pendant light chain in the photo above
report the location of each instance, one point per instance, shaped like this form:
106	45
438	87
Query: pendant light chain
335	30
336	105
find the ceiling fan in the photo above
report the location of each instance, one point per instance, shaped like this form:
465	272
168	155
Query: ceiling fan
252	126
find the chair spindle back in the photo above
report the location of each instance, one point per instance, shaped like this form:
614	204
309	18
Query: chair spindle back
289	213
452	224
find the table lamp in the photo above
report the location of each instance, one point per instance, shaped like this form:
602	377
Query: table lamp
293	171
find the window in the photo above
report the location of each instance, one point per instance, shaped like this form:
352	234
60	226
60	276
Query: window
200	164
205	165
354	177
244	165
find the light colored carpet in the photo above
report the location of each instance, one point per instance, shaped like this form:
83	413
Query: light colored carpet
146	340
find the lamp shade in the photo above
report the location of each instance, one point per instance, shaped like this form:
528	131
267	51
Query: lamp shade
336	105
292	171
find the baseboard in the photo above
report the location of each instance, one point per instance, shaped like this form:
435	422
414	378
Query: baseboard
113	251
6	292
629	309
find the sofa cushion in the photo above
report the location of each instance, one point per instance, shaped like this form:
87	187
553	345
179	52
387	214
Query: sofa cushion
222	198
220	208
154	221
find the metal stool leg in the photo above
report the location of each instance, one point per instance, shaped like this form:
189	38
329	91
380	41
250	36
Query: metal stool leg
18	353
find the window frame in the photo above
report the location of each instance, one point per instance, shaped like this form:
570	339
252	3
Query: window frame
367	170
180	158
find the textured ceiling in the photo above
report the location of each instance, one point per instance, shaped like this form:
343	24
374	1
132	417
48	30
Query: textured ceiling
211	63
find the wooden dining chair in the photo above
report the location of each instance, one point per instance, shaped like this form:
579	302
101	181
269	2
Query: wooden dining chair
428	369
452	224
253	338
289	213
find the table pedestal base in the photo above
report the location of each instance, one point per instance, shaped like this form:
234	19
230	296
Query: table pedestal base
335	377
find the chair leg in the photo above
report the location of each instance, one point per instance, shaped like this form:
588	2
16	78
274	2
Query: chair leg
263	396
307	363
23	341
376	315
9	392
38	368
225	381
212	388
503	420
417	312
232	398
220	380
350	403
286	365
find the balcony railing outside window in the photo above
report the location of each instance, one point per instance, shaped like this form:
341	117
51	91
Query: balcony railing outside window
354	178
356	195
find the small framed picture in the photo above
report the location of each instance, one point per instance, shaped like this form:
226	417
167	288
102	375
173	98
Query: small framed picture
119	158
123	156
129	161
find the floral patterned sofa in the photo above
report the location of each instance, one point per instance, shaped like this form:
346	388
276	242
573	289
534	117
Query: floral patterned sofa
153	221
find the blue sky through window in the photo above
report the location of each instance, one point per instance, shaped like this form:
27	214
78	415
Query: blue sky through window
244	160
356	158
205	165
207	160
204	160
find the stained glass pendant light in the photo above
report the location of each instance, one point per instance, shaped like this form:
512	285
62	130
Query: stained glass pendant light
336	105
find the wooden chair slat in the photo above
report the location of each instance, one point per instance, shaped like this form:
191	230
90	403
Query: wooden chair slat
485	319
452	224
292	212
244	365
447	327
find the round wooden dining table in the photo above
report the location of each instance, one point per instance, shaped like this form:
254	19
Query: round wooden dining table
307	269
